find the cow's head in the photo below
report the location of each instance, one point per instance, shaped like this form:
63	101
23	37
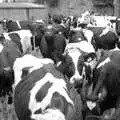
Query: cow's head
37	30
76	35
78	62
6	72
49	32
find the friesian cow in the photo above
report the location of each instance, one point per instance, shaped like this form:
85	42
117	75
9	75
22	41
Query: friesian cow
76	35
104	35
9	51
103	38
28	62
106	77
43	95
26	38
77	62
53	43
80	34
22	38
15	25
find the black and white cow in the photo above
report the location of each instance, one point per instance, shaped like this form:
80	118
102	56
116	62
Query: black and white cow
53	43
104	32
25	39
77	62
22	38
14	44
43	95
105	92
103	38
28	62
15	25
9	51
28	36
76	35
80	34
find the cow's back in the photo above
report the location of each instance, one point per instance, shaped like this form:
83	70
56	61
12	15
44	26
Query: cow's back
18	25
33	89
22	95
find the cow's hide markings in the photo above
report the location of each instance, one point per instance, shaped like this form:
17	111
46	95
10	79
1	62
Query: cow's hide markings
75	54
88	34
6	35
25	38
58	86
40	95
16	38
75	51
51	114
83	46
104	32
26	61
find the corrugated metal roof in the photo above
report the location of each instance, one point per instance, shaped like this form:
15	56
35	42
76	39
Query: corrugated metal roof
21	5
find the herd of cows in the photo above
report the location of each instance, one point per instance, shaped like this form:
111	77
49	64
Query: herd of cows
65	68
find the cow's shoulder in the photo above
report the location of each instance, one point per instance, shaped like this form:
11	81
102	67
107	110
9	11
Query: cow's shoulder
27	82
36	75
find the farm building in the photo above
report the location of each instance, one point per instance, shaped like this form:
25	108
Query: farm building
36	9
